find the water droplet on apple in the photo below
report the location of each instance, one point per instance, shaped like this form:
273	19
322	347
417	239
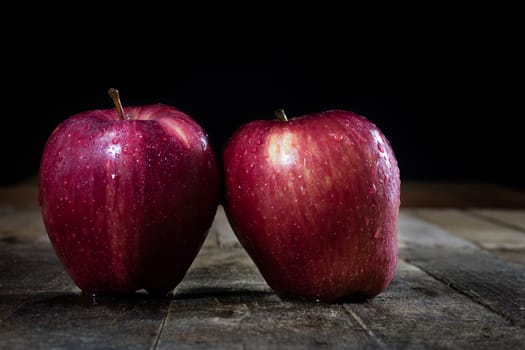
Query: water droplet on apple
337	137
115	140
376	234
372	189
380	147
113	176
254	149
259	141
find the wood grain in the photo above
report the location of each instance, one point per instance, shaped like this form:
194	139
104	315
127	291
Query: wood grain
511	217
261	322
502	240
486	234
223	271
418	311
75	321
486	278
31	268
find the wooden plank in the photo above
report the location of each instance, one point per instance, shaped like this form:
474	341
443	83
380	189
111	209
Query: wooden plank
23	196
236	312
416	312
486	234
464	195
501	240
28	264
486	278
222	267
261	322
32	268
225	235
27	270
223	271
511	217
21	226
76	321
9	303
225	298
413	231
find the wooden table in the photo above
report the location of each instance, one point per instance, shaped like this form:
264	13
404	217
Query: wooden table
460	283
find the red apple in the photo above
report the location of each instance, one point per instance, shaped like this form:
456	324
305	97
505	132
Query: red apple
127	196
314	201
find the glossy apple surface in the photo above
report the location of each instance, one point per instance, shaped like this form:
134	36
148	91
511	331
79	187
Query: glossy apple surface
314	201
127	202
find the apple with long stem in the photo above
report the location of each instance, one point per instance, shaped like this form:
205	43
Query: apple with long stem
314	200
127	196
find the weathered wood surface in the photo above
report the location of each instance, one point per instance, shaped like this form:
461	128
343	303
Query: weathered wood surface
460	195
498	234
514	218
456	287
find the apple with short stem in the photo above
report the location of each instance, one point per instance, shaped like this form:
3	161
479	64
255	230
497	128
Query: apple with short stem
128	195
314	200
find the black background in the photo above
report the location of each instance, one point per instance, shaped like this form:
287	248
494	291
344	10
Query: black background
442	82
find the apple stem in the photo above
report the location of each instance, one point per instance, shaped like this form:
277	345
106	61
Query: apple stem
281	115
115	96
